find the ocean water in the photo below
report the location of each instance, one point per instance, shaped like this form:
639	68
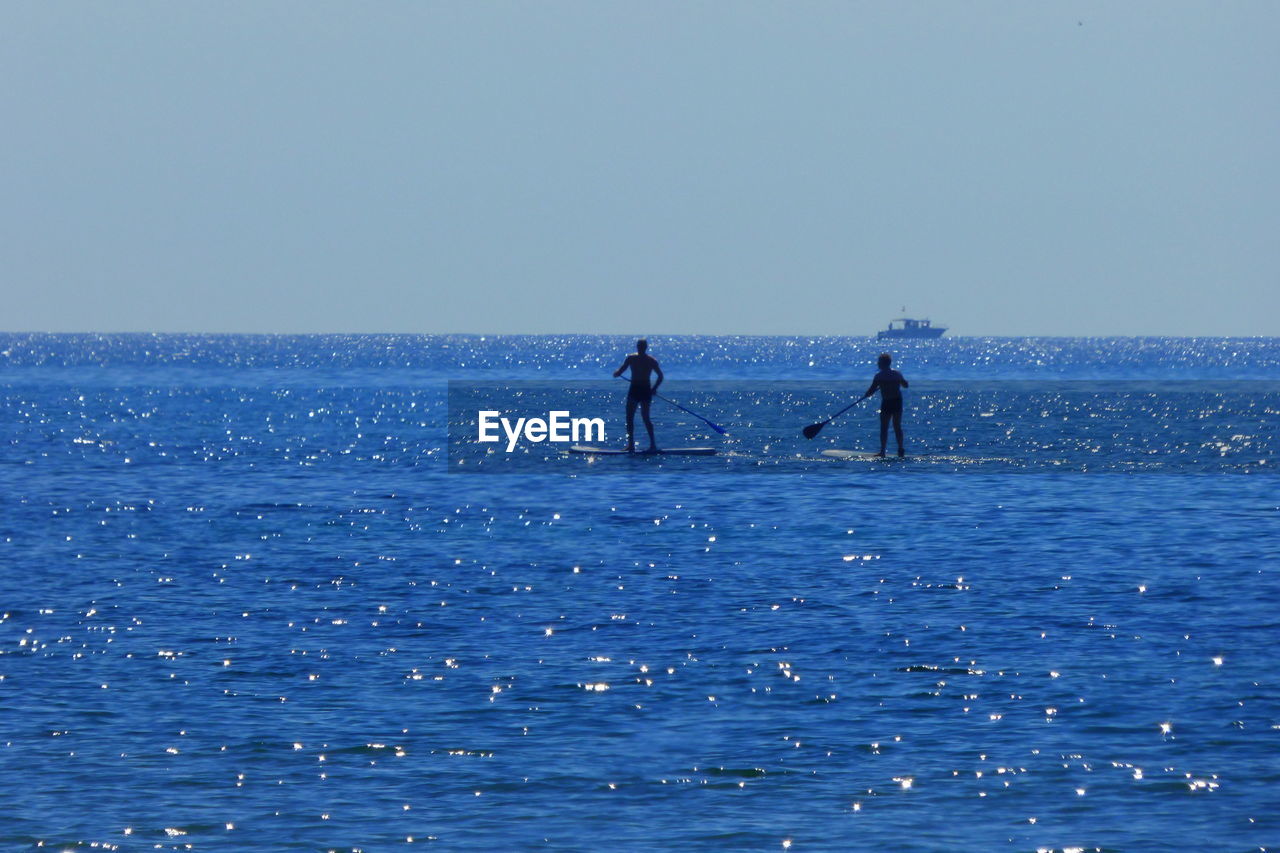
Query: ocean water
250	600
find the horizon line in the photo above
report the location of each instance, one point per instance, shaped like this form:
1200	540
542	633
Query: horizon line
622	334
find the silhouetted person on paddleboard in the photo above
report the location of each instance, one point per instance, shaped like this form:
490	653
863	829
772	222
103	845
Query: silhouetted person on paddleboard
889	383
642	366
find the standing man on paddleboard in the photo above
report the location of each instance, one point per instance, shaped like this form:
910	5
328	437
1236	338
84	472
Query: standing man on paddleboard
890	384
640	394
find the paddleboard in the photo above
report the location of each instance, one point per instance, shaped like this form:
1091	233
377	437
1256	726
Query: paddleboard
945	458
855	454
666	451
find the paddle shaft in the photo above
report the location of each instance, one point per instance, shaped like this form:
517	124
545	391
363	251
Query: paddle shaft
715	427
845	409
813	429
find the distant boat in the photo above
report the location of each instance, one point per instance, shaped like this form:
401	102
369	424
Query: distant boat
911	328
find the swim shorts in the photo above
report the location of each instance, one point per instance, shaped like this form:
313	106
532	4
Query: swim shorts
640	393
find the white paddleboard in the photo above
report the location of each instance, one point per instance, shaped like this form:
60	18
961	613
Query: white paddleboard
943	458
666	451
859	455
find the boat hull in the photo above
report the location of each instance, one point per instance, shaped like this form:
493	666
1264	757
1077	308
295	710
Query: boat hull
927	332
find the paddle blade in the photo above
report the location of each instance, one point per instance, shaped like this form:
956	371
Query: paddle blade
813	429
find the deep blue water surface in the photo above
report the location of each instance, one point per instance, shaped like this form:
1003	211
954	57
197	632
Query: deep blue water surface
244	604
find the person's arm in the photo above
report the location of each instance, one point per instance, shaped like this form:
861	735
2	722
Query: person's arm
903	380
657	370
625	364
875	383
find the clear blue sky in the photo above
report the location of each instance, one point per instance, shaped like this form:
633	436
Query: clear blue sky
1044	168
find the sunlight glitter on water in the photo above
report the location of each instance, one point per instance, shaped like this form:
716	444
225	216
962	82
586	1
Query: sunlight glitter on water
349	567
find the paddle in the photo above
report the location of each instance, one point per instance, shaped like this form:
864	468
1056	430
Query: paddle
715	427
813	429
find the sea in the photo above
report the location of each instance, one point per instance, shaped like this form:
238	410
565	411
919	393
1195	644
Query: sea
272	593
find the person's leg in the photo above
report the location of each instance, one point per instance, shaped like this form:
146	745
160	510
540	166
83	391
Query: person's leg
897	431
648	424
884	430
631	423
